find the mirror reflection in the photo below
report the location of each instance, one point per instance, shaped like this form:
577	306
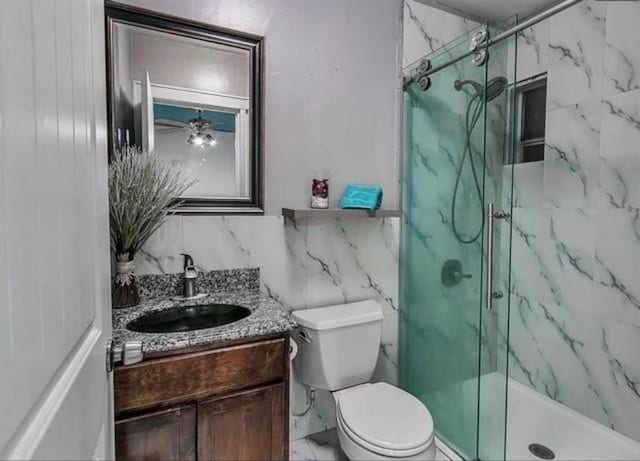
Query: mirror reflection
203	142
194	112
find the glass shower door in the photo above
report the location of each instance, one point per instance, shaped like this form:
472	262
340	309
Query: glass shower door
498	193
442	246
454	146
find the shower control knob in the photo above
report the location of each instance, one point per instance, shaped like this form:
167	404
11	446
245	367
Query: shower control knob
497	294
452	273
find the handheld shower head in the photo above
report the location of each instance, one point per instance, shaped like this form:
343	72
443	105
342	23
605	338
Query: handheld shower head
494	88
476	106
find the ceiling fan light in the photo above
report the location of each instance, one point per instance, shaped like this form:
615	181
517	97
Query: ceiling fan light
199	136
196	139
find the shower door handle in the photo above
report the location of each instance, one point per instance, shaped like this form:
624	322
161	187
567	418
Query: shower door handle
492	215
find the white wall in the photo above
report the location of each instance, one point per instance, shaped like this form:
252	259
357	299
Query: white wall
212	68
332	100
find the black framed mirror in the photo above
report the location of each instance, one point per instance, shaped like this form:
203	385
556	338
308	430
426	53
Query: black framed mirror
192	93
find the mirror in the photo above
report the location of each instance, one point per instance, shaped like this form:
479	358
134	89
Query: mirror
192	94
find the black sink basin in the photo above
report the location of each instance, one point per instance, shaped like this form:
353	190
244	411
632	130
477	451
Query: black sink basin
188	318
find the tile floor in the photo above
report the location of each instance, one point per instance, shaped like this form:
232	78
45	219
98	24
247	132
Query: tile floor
324	446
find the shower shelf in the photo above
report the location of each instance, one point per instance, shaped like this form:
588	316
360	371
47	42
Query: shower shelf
302	213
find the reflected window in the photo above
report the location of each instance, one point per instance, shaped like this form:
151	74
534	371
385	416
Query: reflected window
202	142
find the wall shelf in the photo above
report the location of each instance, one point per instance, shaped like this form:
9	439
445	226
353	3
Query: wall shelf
302	213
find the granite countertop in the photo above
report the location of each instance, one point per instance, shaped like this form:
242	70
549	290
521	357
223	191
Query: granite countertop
267	316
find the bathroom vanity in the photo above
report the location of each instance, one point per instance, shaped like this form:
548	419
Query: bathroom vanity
211	393
224	403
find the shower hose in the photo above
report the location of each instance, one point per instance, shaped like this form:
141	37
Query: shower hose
473	114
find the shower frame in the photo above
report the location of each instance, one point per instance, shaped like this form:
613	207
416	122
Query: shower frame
485	45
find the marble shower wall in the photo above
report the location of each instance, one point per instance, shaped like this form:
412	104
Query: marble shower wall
575	290
575	294
427	29
302	265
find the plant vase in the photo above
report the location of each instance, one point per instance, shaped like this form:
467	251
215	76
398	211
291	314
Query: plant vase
124	291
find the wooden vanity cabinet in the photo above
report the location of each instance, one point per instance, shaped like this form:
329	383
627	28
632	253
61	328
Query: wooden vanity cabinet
229	403
245	426
162	435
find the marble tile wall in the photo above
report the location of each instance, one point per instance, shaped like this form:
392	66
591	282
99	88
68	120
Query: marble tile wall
574	294
302	265
575	291
427	29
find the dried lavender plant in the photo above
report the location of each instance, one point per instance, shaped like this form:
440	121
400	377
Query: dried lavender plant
142	192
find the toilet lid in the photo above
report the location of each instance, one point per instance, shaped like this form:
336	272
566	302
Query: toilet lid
387	417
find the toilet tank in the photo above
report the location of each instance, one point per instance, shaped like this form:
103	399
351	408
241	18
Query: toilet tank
337	345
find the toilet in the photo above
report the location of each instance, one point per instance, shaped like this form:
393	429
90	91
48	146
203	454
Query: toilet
337	351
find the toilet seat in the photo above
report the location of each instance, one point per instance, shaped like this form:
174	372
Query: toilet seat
387	453
385	420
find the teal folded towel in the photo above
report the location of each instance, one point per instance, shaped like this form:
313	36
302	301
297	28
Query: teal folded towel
361	197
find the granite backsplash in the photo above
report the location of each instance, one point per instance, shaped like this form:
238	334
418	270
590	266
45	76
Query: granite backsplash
220	281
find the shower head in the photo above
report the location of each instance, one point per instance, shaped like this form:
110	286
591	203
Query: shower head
495	87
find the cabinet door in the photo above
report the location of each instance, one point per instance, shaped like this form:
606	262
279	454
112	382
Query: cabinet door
164	435
246	426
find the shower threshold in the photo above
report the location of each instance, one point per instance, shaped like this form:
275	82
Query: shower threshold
536	422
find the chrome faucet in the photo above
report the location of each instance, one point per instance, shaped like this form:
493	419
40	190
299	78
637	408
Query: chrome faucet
190	277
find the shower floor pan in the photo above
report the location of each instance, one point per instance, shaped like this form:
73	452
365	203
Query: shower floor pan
536	419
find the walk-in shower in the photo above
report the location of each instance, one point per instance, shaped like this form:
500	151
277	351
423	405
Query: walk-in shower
457	297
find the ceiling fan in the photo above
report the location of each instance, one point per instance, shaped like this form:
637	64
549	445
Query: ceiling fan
198	129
